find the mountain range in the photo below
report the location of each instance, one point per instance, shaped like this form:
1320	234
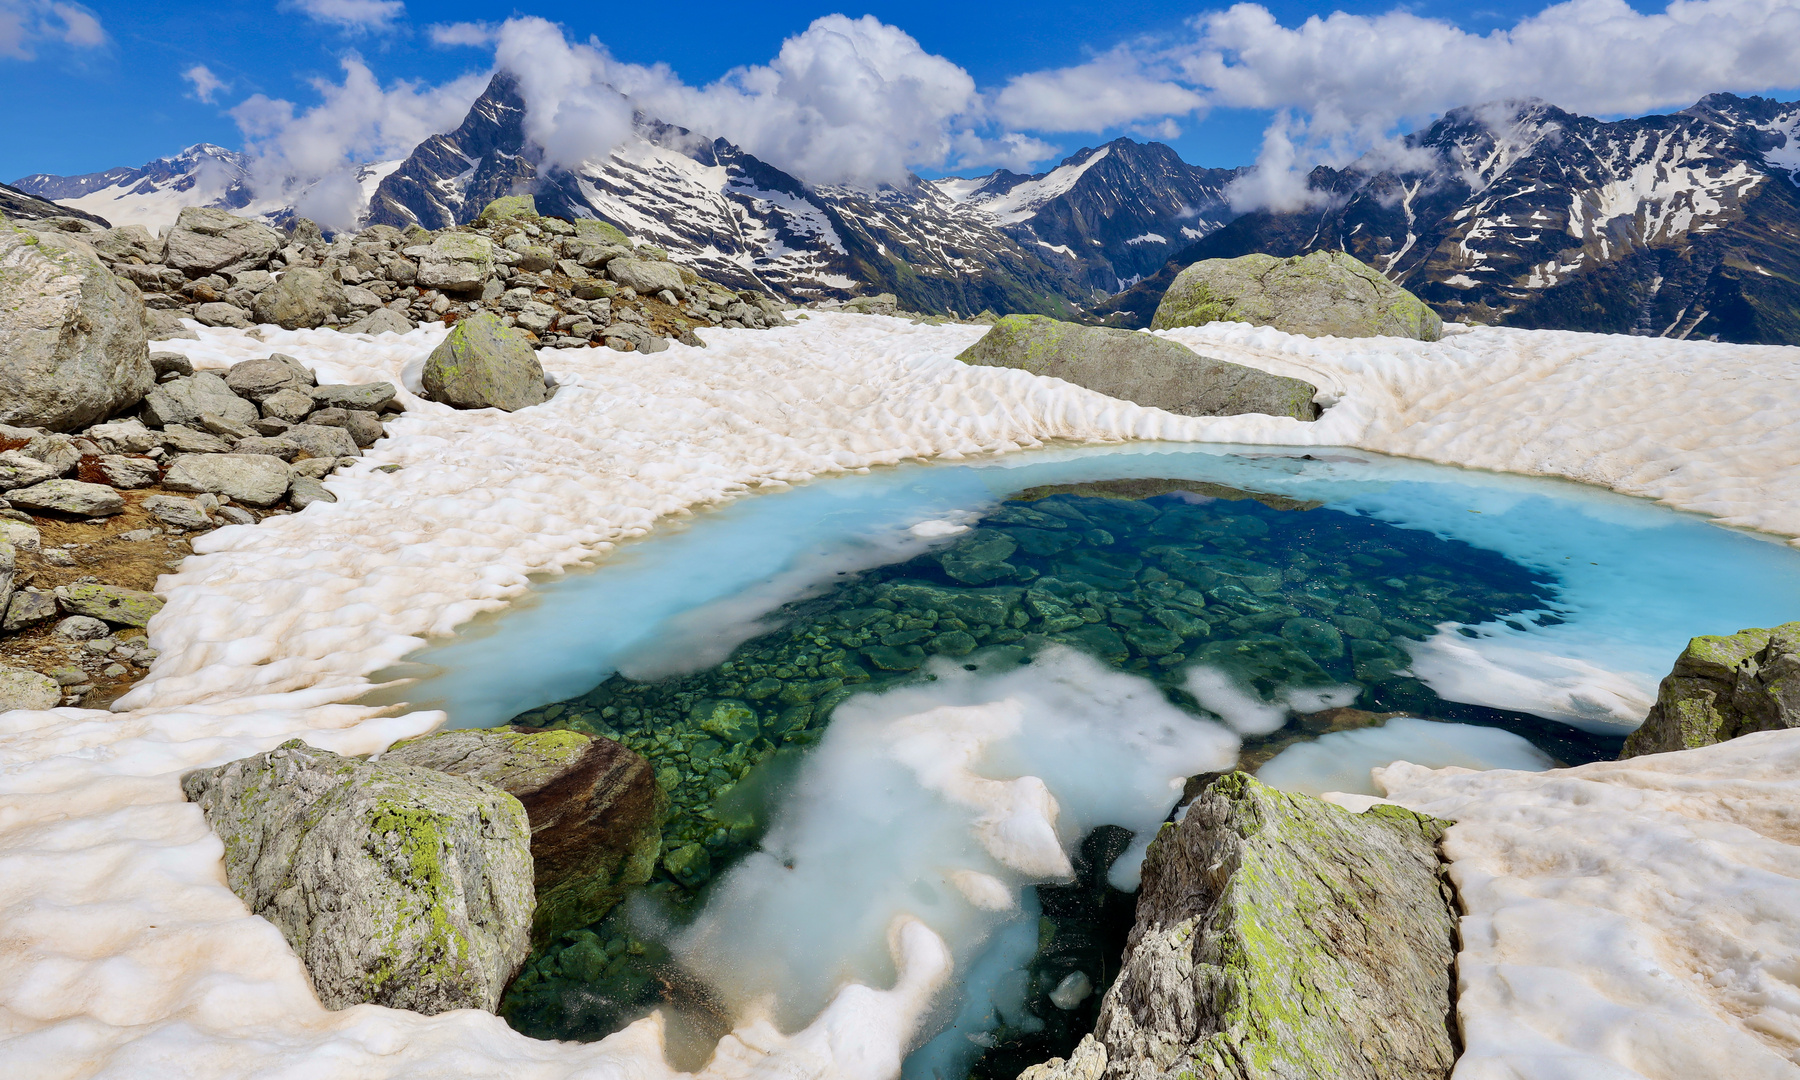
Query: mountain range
1516	213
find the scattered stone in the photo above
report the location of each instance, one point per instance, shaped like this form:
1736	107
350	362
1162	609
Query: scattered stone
69	497
483	364
647	277
21	536
114	603
395	885
272	445
82	628
27	608
128	436
73	348
506	207
364	427
184	400
185	440
288	405
260	380
219	313
303	491
171	363
880	304
1139	367
456	261
1324	293
225	427
59	557
18	469
372	397
254	479
1280	936
21	689
319	441
177	513
595	810
301	298
128	472
1722	687
236	515
380	321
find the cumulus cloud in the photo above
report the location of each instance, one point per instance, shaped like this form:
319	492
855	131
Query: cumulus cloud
350	14
206	84
1113	90
461	34
314	151
24	24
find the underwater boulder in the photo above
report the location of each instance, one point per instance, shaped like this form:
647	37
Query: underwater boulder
1278	935
594	807
395	885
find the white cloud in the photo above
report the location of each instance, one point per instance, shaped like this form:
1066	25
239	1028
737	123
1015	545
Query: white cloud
350	14
24	24
355	121
206	84
461	34
1109	91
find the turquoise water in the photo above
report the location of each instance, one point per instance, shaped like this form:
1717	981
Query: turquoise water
1280	596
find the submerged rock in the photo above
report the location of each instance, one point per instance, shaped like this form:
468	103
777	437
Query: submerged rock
595	811
484	364
1722	687
1324	293
396	885
1279	936
1139	367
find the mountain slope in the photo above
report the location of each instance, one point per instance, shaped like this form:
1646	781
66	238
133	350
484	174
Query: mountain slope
153	194
1525	215
24	206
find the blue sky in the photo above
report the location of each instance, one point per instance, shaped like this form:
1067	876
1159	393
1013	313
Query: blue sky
103	84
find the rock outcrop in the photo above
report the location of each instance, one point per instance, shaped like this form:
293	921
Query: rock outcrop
595	809
1325	293
484	364
73	348
1139	367
396	885
1279	937
1722	687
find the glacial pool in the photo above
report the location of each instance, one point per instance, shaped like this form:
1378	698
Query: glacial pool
969	692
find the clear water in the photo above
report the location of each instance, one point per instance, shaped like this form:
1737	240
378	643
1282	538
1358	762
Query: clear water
1294	602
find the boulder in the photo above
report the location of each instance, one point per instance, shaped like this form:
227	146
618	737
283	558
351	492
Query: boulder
484	364
456	261
301	298
306	490
371	397
69	497
184	400
22	689
113	603
219	313
290	405
395	885
1279	936
506	207
206	240
178	513
380	321
28	607
18	469
128	436
73	347
1324	293
125	472
601	232
1722	687
260	380
1139	367
320	441
595	808
648	277
252	479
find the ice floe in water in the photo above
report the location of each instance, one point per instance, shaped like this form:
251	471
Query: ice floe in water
1344	760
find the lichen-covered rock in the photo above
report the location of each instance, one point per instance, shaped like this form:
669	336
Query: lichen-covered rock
73	347
114	603
484	364
69	497
252	479
206	240
508	206
1281	937
1139	367
1318	294
396	885
302	298
22	689
646	276
1722	687
457	261
184	401
595	809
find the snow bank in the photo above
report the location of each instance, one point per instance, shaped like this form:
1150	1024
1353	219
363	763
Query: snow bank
1634	918
125	953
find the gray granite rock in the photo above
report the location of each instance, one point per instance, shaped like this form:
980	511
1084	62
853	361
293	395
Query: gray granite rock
18	470
22	689
1139	367
456	261
483	364
371	396
301	298
1322	293
28	607
303	491
259	380
183	401
114	603
204	240
177	513
320	441
69	497
253	479
395	885
127	472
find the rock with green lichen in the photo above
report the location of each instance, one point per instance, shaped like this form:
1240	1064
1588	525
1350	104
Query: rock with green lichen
1139	367
395	884
484	364
506	207
114	603
73	348
595	809
1722	687
1279	936
1324	293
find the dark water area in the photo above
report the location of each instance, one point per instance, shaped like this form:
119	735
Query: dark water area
1151	577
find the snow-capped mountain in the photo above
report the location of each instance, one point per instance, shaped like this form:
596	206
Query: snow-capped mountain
152	195
1526	215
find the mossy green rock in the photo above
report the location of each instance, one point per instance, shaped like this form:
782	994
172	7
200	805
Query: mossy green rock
114	603
595	229
508	206
395	885
595	810
1139	367
1724	686
1281	937
484	364
1320	294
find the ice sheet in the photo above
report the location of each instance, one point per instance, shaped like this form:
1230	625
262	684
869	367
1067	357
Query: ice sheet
126	956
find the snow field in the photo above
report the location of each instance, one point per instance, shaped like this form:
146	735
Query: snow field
127	956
